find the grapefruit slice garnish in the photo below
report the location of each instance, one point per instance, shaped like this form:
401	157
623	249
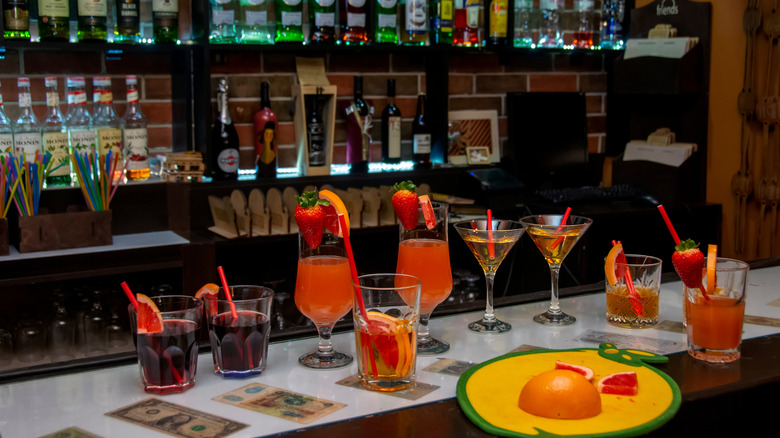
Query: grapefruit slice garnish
585	371
150	319
427	209
391	339
335	208
625	383
712	260
211	291
615	264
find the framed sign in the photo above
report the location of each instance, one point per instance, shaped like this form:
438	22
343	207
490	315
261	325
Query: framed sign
473	129
478	155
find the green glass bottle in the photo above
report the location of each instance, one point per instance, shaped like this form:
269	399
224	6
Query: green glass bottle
257	24
16	20
165	21
289	26
441	22
386	22
92	20
53	23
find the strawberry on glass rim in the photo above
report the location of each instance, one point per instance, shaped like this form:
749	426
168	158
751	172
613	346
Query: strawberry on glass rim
405	203
688	261
310	216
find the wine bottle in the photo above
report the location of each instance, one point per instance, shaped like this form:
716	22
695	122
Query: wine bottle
128	24
16	20
92	20
322	21
315	131
6	132
223	21
53	20
107	124
441	22
165	21
421	136
358	123
391	127
414	27
55	137
386	24
352	14
257	24
136	140
289	26
81	130
27	131
224	139
265	123
497	20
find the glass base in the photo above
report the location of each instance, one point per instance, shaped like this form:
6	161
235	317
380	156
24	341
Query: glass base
238	374
169	389
385	385
490	326
713	356
317	361
554	318
433	346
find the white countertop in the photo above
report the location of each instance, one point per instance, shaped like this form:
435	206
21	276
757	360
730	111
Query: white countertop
39	407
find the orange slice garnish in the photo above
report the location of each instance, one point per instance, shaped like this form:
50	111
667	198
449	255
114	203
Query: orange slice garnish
712	260
150	319
338	204
610	264
209	290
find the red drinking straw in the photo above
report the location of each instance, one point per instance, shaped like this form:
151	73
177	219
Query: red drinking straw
130	295
669	224
560	227
636	301
226	288
358	296
491	247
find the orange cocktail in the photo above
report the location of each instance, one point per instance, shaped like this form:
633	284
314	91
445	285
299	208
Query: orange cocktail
323	288
428	260
717	323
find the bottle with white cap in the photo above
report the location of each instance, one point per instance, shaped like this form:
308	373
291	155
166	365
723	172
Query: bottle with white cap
134	133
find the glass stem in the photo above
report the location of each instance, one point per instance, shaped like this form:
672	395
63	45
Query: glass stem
423	334
490	276
554	304
325	348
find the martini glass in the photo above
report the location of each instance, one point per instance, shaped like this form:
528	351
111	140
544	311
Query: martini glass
555	239
490	247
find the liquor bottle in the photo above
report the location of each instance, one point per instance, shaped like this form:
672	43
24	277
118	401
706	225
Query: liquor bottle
583	37
224	139
165	21
257	24
315	131
414	27
289	26
352	14
223	21
55	137
386	26
421	136
128	24
135	139
16	20
27	131
322	21
92	20
497	23
107	124
612	14
265	123
550	28
358	124
441	22
391	127
467	24
524	23
6	132
53	20
81	130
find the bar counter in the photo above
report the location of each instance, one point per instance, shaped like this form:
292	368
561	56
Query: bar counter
716	398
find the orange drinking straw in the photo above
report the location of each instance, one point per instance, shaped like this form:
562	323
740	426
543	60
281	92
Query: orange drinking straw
358	295
130	295
560	227
669	224
226	288
491	247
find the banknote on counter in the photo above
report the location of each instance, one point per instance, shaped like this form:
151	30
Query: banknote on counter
450	367
418	389
280	403
762	320
657	346
670	326
176	420
71	432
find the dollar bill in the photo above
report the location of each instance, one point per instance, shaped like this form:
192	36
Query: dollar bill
526	347
418	389
762	320
71	432
657	346
450	367
280	403
670	326
176	420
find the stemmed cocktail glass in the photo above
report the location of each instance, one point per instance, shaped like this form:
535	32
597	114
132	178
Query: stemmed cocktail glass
490	244
425	254
323	293
555	235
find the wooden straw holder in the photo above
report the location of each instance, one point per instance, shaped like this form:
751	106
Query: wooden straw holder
47	232
3	236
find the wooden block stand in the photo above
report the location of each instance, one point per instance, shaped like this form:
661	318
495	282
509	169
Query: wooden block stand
187	166
3	236
47	232
328	94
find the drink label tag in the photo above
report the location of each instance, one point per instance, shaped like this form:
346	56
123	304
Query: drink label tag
386	20
136	148
56	143
223	17
325	19
416	16
24	99
422	143
256	18
356	20
291	18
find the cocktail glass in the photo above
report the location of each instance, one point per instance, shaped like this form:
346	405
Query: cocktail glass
425	254
490	247
324	294
239	346
168	361
555	239
385	335
624	310
714	325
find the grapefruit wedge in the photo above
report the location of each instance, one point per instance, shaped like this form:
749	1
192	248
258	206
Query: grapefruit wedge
585	371
332	211
427	210
391	338
150	319
615	264
211	291
625	383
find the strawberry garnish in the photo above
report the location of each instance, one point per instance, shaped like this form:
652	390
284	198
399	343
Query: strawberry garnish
405	203
310	217
688	261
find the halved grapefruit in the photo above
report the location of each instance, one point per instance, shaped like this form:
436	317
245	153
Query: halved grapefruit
332	211
150	319
625	383
585	371
427	210
211	291
615	264
712	260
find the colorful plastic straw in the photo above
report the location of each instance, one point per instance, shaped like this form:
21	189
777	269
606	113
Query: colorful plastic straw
130	295
669	224
560	228
636	301
491	246
226	288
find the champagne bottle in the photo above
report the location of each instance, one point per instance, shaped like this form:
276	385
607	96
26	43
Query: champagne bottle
322	21
27	131
358	122
353	16
289	26
92	20
257	23
224	139
265	123
53	20
223	21
386	24
497	17
421	136
134	133
441	22
165	21
414	27
16	20
391	127
315	131
128	25
55	137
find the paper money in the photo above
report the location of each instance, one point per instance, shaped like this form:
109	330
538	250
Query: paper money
762	320
526	347
450	367
280	403
71	432
670	326
657	346
177	420
418	389
775	303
